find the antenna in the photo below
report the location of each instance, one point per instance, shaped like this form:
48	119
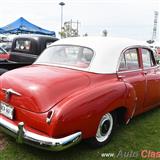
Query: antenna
154	34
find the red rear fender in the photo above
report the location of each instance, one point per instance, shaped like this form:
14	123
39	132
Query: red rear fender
85	109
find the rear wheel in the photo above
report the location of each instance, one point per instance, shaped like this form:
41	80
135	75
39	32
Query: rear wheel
104	131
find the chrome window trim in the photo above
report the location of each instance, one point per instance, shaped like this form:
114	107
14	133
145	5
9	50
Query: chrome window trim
140	69
134	47
135	70
152	57
152	67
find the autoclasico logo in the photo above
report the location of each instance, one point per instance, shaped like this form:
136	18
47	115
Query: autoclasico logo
133	154
150	154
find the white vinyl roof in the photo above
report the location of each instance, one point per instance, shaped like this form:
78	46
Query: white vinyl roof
107	51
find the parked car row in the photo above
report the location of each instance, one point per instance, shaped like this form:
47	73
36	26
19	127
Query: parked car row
79	88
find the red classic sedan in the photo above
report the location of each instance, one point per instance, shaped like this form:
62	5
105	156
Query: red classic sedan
79	88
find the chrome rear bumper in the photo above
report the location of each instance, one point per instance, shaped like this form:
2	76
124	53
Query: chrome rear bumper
24	136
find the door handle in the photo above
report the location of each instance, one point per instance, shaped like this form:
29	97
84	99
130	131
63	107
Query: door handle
120	77
145	72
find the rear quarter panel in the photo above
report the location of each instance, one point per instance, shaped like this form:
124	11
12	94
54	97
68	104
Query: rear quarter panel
83	110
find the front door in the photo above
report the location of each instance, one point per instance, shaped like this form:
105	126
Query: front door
152	74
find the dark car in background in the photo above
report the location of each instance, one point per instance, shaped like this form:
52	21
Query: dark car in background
25	50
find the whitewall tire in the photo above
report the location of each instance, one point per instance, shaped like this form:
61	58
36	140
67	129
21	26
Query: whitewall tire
104	130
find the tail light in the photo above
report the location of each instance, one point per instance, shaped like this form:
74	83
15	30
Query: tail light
49	116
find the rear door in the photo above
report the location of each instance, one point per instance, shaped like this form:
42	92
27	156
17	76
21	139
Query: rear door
130	70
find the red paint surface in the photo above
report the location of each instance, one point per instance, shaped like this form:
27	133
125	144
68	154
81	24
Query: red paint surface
78	98
4	56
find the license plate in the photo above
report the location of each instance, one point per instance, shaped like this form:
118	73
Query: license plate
6	110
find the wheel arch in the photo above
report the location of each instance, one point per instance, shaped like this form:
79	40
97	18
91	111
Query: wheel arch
121	114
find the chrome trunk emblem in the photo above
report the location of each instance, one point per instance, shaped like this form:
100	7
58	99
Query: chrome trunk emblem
9	92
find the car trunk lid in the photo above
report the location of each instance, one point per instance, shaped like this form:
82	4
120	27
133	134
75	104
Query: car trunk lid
41	87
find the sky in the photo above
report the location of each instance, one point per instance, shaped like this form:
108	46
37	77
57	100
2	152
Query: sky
122	18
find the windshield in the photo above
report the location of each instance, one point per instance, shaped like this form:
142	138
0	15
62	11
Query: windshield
67	55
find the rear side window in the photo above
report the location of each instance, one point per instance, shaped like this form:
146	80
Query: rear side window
23	45
129	60
147	57
26	45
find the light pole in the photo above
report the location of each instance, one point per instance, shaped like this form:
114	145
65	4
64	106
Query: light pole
61	4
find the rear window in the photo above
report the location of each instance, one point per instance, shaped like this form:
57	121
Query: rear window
67	55
23	45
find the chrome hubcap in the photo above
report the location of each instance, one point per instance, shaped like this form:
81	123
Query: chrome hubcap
104	128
